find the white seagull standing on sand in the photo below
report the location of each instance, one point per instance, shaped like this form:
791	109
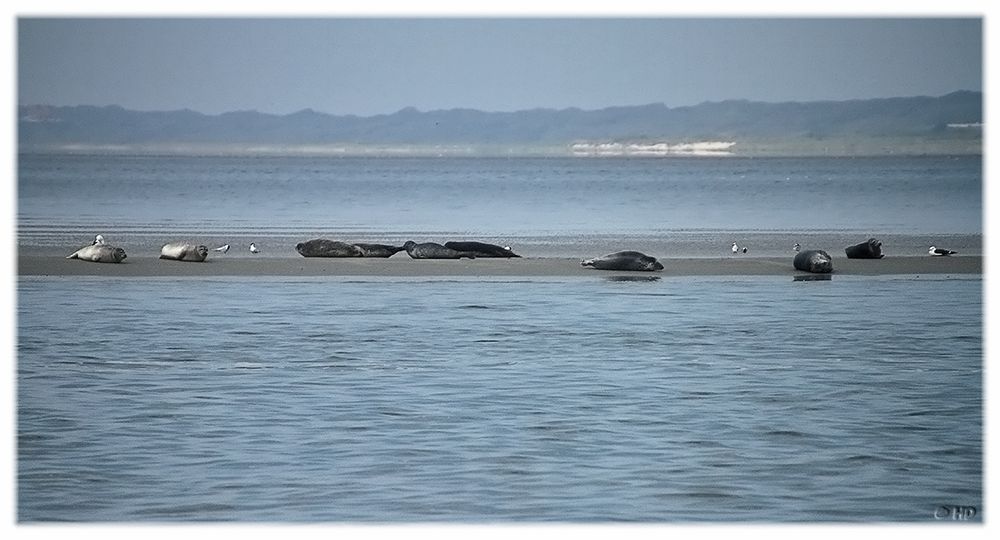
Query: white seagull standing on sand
796	247
736	249
98	240
938	251
253	248
222	249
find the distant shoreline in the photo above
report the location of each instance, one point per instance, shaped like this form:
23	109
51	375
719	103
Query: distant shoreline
403	266
913	125
610	149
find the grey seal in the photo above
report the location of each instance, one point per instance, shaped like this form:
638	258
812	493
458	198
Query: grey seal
102	253
378	250
322	247
869	249
816	261
481	249
430	250
625	260
182	251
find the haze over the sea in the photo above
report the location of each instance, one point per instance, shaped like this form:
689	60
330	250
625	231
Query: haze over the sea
368	66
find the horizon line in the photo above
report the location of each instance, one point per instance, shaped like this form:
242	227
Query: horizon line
412	109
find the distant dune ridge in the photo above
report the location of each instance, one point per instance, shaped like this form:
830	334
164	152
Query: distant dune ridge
952	122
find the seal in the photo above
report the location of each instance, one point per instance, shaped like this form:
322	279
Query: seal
481	249
816	261
430	250
99	253
869	249
378	250
624	260
181	251
322	247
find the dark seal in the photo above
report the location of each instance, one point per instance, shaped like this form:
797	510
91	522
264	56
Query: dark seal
430	250
869	249
378	250
625	260
816	261
481	249
322	247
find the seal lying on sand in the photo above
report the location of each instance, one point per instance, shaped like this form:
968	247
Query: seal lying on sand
99	253
869	249
482	250
430	250
378	250
625	260
181	251
816	261
322	247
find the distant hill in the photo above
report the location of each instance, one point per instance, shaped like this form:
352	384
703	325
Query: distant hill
957	115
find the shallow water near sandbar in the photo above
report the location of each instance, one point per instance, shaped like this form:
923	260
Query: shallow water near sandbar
542	207
500	400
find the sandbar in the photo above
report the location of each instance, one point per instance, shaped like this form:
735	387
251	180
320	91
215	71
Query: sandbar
402	266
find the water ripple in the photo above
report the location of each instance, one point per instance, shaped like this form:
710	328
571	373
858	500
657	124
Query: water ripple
563	405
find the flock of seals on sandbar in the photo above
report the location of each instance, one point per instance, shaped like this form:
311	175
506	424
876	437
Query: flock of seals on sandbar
814	261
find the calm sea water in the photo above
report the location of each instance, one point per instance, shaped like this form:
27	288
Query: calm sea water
675	399
678	399
142	202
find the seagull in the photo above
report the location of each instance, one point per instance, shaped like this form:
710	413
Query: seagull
938	251
744	249
253	248
98	240
736	249
222	249
796	247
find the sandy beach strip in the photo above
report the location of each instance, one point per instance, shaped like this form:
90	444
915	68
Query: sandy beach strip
402	266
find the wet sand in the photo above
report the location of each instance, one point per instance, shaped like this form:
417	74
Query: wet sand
402	266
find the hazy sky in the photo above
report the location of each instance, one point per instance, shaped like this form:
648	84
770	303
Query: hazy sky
374	66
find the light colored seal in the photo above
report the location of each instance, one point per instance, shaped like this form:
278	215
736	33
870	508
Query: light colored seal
430	250
321	247
816	261
625	260
99	253
182	251
481	249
